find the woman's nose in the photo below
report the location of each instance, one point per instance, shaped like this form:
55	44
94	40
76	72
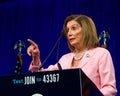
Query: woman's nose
69	32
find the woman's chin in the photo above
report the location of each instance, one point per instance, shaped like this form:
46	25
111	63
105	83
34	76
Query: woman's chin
73	44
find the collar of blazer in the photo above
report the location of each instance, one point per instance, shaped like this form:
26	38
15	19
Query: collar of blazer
87	56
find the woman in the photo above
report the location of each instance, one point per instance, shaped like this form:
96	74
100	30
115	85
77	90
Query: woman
96	62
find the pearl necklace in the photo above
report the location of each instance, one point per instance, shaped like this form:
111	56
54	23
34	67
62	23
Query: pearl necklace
78	58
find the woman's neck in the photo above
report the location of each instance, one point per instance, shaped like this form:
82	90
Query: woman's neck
78	54
80	50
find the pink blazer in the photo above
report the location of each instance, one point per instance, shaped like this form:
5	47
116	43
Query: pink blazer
96	64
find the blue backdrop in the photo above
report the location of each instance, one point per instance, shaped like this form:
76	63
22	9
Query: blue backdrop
42	21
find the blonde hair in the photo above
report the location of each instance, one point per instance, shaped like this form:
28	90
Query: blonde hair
89	35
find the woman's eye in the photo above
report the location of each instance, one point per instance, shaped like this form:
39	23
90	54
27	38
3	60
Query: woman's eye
73	28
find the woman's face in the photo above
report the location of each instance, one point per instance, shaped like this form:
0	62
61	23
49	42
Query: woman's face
73	33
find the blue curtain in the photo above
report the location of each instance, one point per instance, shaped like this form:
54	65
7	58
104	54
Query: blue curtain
42	21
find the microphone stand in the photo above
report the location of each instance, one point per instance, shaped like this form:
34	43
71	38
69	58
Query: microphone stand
56	43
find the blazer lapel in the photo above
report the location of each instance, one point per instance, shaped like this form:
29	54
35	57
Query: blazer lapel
87	56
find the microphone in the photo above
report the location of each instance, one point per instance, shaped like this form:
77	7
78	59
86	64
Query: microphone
56	43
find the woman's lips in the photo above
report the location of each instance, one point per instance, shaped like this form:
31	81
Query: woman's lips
71	39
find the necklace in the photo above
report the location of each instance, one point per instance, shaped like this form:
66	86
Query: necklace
78	58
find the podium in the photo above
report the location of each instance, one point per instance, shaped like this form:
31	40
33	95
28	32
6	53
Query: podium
70	82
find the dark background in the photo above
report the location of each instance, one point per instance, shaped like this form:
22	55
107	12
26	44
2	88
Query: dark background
42	21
